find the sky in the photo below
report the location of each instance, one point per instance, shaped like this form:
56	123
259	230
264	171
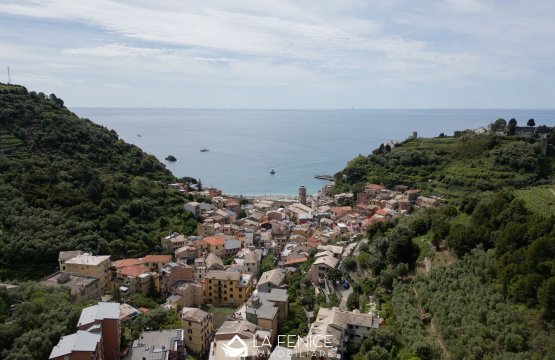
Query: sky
314	54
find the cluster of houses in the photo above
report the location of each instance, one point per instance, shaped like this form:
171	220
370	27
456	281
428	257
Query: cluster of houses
221	266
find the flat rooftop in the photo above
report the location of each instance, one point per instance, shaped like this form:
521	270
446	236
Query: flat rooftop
88	259
154	345
74	282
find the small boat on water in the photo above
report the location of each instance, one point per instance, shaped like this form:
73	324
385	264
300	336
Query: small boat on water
272	171
171	158
204	150
139	135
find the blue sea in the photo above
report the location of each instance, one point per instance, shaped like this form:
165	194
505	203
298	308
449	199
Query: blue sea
244	144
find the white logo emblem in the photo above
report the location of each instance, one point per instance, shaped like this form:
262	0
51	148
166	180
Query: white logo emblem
234	351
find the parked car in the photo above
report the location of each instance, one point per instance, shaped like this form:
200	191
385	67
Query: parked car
346	284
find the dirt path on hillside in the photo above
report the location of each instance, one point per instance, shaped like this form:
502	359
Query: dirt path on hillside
432	331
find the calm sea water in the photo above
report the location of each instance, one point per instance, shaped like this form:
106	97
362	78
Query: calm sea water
245	144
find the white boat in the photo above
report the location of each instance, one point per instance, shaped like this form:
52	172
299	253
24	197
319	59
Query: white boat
272	171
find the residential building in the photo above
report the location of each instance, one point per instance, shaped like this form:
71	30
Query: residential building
97	336
186	254
336	250
192	293
426	202
321	266
223	288
338	328
158	345
254	340
193	207
213	262
268	310
87	265
250	260
104	318
82	345
173	241
205	229
173	273
156	262
297	210
215	244
232	247
133	275
81	288
340	211
198	328
272	279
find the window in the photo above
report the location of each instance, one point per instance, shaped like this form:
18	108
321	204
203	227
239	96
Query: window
189	323
190	338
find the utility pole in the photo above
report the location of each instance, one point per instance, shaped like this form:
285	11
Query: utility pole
9	76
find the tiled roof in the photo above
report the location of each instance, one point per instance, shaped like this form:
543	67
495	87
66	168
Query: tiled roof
134	270
214	240
157	259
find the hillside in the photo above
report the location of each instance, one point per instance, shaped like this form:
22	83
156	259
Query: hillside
495	298
67	183
452	166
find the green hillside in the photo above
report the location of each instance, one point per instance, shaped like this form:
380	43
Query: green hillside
540	199
67	183
494	298
451	166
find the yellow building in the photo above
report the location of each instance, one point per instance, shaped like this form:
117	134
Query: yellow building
76	262
222	288
198	328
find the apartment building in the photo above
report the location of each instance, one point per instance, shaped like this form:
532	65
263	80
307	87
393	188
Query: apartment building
198	328
222	288
77	262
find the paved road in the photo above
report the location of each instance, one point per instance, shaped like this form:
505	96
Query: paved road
344	295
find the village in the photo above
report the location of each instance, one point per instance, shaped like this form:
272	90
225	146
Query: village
232	283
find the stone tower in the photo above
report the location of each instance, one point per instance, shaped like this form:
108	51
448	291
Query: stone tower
302	195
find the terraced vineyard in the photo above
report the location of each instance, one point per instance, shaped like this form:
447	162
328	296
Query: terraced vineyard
540	199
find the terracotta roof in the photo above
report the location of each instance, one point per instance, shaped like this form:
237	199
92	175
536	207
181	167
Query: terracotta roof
295	261
341	209
128	262
157	259
214	240
382	212
374	187
134	270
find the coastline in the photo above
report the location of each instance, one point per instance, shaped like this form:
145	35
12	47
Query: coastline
271	197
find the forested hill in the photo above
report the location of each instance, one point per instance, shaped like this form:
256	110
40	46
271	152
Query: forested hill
452	166
488	290
67	183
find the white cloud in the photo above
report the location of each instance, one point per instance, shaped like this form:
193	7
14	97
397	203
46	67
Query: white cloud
468	6
326	45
